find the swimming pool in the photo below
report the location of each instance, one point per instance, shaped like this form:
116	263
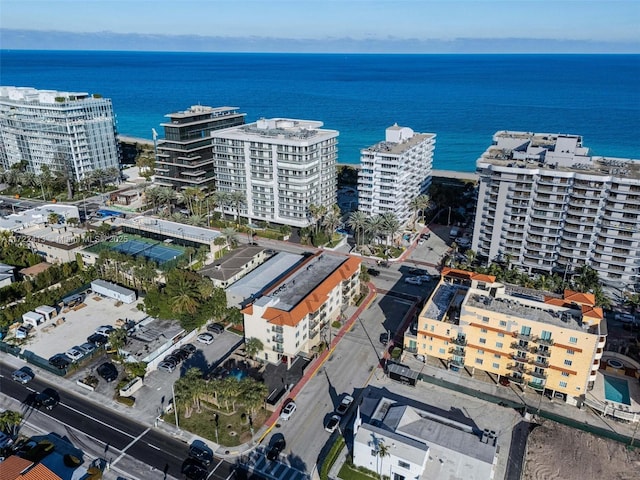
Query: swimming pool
616	390
239	374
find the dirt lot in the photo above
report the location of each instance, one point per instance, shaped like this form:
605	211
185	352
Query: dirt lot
555	451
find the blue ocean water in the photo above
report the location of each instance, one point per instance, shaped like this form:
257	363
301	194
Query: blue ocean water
464	99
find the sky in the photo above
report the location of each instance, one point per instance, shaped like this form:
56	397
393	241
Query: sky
608	22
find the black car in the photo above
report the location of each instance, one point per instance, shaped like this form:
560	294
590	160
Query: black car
180	354
201	453
194	470
60	361
189	348
108	371
384	338
373	272
416	271
48	399
172	358
276	446
98	339
216	328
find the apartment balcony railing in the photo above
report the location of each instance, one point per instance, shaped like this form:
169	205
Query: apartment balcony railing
539	363
459	341
409	334
543	341
522	336
515	379
277	329
278	348
314	334
535	374
517	367
455	363
277	339
457	351
536	386
521	347
541	352
410	349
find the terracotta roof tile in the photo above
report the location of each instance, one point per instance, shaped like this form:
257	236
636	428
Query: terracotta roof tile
11	468
582	298
456	272
40	472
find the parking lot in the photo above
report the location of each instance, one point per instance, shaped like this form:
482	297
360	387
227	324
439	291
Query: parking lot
72	326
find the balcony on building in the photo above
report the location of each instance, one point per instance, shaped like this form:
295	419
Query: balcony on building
456	362
462	341
457	351
542	363
515	379
543	352
522	346
536	385
278	348
277	329
277	339
535	374
517	367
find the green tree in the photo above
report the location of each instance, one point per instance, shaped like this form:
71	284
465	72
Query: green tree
253	346
234	316
252	394
357	221
10	422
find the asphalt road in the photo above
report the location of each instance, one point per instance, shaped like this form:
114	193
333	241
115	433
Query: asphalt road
118	435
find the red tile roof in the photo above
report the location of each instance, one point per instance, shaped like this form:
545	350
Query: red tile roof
12	467
458	273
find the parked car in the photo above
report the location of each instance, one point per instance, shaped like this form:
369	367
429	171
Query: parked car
201	453
189	348
205	338
180	354
421	241
344	404
384	338
373	272
194	470
23	331
504	382
625	318
108	371
332	423
23	375
5	441
104	330
87	348
74	353
98	339
415	271
166	367
216	328
48	399
60	361
276	446
288	410
172	358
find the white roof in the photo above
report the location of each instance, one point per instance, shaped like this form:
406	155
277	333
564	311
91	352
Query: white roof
36	216
32	316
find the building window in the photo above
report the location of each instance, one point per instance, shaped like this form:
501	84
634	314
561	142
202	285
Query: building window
503	323
496	365
573	339
431	328
499	344
485	319
500	334
441	350
397	476
483	330
479	361
404	464
480	352
570	352
495	355
565	374
483	340
568	363
563	384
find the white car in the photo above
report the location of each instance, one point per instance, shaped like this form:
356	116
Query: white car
332	424
87	348
205	338
288	410
344	405
104	330
74	353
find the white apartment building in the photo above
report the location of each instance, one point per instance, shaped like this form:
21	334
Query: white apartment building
549	206
281	165
295	314
67	131
395	171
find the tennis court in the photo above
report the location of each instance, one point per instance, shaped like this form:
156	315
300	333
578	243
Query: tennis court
153	251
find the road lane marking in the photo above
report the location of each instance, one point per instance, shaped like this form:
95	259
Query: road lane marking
124	450
215	468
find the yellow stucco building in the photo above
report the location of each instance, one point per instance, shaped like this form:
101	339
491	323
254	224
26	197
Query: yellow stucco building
535	339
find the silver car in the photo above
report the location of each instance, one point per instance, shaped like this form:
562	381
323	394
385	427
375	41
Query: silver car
23	375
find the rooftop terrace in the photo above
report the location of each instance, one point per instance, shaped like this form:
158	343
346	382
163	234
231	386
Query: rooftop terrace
394	148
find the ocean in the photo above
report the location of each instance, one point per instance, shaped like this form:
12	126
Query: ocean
464	99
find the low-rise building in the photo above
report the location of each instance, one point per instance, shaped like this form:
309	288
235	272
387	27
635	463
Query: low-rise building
7	276
551	343
235	265
403	442
295	314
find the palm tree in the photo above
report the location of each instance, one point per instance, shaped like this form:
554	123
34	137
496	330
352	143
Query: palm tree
357	221
53	218
252	394
219	199
374	226
331	222
381	451
167	196
253	346
237	199
423	202
390	226
10	422
230	236
183	292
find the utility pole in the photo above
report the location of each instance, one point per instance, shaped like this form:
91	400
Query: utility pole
175	406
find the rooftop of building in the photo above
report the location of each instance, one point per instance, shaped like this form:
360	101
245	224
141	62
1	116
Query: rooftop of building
202	110
232	263
37	216
34	96
35	269
396	141
411	424
149	335
58	234
171	229
280	129
293	289
557	152
260	279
